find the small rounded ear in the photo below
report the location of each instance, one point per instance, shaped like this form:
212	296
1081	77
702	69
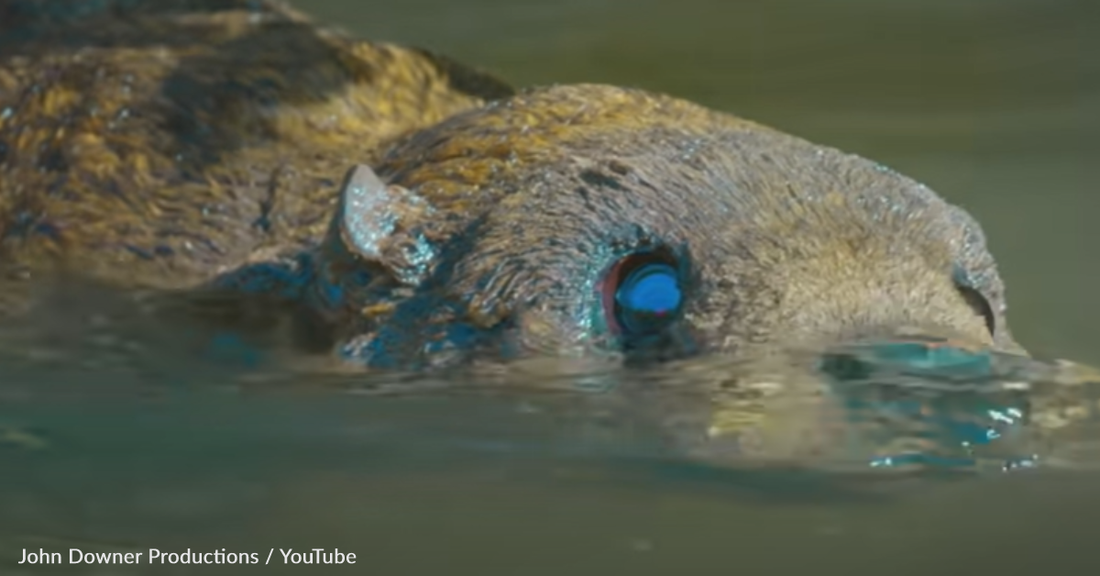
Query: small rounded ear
382	225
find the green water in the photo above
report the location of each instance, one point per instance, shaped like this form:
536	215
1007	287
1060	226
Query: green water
993	103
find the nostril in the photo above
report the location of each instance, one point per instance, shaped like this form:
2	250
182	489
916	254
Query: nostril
980	304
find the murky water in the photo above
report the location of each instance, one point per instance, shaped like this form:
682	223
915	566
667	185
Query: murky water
126	437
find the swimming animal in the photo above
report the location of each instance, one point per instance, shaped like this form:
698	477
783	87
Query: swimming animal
420	213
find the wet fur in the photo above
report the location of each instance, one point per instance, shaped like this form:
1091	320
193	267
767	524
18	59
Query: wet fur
159	144
189	145
786	241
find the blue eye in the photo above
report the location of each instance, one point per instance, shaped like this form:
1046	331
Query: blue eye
651	289
642	294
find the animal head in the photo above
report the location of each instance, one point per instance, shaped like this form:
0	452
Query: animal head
580	220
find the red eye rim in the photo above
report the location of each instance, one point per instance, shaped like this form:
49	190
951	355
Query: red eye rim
613	278
609	285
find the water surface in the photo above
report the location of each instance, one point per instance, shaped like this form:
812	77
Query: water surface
130	436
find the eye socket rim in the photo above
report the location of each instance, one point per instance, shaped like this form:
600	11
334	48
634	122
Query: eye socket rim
980	304
619	272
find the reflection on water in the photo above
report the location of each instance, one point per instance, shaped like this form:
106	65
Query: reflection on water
119	435
116	440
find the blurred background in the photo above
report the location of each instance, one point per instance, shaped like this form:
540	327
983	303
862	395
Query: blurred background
993	103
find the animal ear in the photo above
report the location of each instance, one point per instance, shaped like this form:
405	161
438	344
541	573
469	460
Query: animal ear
382	225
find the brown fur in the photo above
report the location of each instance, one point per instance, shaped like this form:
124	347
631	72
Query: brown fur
194	146
166	144
187	143
790	242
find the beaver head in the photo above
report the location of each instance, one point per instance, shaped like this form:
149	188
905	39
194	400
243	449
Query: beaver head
591	219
